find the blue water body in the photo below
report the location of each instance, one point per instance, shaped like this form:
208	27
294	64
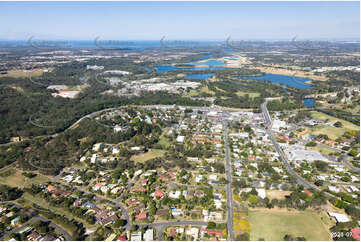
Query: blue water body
202	76
309	102
296	82
204	57
210	63
166	68
232	58
147	68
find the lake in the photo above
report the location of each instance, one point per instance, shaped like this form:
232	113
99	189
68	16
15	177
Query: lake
296	82
202	76
309	102
210	63
166	68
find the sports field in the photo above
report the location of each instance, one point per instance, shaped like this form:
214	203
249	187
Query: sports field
274	225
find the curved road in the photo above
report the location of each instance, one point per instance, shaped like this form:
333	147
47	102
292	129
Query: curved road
35	217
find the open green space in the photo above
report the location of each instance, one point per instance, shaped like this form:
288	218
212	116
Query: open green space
31	199
14	178
164	142
274	225
322	150
250	94
196	92
154	153
330	131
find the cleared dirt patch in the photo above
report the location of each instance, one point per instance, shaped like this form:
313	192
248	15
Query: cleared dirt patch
277	194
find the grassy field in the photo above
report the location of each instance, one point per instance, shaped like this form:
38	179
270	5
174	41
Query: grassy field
163	141
251	94
322	150
274	225
14	178
332	132
204	89
148	155
322	116
22	74
351	108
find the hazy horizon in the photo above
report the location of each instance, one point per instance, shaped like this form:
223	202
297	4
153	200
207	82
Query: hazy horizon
203	21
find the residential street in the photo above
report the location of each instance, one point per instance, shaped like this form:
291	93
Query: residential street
35	218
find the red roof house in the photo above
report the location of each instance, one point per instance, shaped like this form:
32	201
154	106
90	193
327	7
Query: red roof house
141	216
158	193
356	233
122	238
171	174
307	192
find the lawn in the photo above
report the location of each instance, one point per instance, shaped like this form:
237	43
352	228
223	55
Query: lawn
148	155
322	150
251	94
204	89
164	142
14	178
46	206
330	131
22	74
274	225
322	116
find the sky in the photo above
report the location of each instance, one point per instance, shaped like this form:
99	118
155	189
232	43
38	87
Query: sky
179	20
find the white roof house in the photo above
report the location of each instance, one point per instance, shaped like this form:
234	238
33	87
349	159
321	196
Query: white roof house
212	177
277	169
174	195
180	139
96	147
333	189
340	218
148	235
177	212
261	193
193	232
115	151
94	158
136	236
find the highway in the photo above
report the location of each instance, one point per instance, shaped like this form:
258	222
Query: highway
229	185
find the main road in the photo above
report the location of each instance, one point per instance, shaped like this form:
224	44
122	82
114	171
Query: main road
298	178
229	185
